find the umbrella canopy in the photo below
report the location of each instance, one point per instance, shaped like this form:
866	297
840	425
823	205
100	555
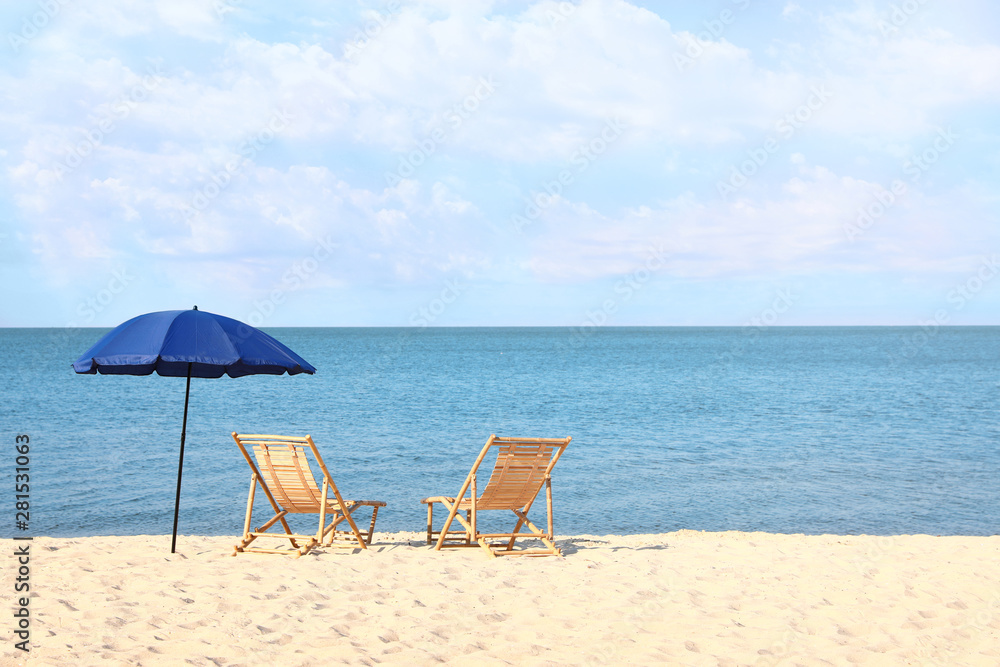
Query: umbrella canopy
188	343
178	343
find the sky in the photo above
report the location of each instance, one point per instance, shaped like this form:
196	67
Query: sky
476	163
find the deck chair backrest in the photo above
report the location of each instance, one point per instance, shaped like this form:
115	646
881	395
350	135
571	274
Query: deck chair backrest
284	468
520	470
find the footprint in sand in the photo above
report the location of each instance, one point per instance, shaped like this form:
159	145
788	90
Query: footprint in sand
491	618
857	630
191	626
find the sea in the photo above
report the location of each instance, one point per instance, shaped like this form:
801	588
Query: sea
841	430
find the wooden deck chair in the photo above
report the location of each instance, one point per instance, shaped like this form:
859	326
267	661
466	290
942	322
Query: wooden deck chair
523	465
287	481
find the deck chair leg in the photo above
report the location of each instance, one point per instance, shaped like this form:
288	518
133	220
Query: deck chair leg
335	519
306	548
322	512
453	509
371	528
472	519
513	537
446	530
330	532
486	546
334	522
452	513
347	515
523	519
548	502
253	493
246	523
546	539
480	540
277	517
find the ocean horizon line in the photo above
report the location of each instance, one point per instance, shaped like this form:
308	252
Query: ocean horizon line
586	326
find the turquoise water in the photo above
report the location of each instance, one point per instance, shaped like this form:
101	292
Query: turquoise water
814	430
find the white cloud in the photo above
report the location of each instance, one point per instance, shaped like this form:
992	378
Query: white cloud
483	106
791	9
799	230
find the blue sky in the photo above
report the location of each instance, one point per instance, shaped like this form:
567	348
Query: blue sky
462	162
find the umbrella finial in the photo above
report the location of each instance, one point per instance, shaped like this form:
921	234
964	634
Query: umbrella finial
195	308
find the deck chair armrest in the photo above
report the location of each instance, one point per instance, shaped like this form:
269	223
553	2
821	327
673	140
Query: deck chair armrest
438	499
368	503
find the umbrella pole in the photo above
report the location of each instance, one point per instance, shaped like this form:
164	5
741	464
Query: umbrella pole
180	461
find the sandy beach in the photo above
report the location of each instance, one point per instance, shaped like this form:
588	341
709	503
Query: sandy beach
685	598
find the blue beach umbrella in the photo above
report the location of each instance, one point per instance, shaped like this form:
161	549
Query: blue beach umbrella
188	343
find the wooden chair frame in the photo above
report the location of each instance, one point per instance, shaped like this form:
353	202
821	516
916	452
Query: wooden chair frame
523	466
290	488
